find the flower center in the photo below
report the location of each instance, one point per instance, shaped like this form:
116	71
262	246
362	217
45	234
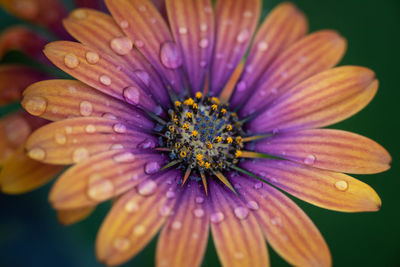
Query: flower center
203	134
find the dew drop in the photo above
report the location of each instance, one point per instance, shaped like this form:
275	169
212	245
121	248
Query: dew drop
176	225
253	205
247	14
169	55
238	255
165	210
341	185
241	213
258	185
124	24
71	61
139	230
199	213
124	157
151	167
146	144
203	27
122	244
109	116
121	45
131	206
199	200
90	128
119	128
68	129
132	95
92	57
139	43
262	46
100	189
277	221
143	76
142	8
203	63
217	217
80	14
203	43
60	138
241	86
85	108
158	110
35	105
117	147
243	36
37	154
309	160
105	80
80	154
170	194
183	30
147	188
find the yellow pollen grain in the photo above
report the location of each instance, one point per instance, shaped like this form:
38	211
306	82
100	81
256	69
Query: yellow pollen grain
238	153
176	121
199	157
214	107
207	165
185	126
223	111
178	103
229	127
199	95
177	145
194	133
189	115
189	102
209	145
239	139
183	154
171	128
218	139
195	106
229	140
200	163
215	100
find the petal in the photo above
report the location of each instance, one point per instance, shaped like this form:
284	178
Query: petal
193	30
103	177
134	220
13	81
287	228
333	150
235	22
69	217
99	31
69	98
187	228
22	39
37	12
20	174
237	236
326	189
145	26
107	74
321	100
284	25
315	53
73	140
96	4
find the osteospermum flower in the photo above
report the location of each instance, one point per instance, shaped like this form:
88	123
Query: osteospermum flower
186	135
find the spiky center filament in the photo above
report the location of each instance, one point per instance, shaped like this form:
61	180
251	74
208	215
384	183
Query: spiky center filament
203	135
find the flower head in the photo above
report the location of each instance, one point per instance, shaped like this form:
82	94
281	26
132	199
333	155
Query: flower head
186	134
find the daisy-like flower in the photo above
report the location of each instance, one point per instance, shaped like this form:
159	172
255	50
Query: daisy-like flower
186	135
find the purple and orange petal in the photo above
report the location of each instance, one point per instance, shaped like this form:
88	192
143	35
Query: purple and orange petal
71	216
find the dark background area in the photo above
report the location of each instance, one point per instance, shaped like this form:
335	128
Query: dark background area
31	236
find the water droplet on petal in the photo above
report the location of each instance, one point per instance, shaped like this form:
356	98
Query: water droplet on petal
183	30
241	86
203	27
86	108
277	221
100	189
247	14
92	57
217	217
109	116
139	230
143	76
139	43
203	43
132	95
80	14
80	154
119	128
60	138
131	206
124	24
170	194
124	157
309	160
342	185
241	213
146	144
169	55
71	61
238	255
35	105
106	80
147	188
253	205
158	110
165	210
176	225
90	128
203	63
198	213
199	200
151	167
121	45
243	36
258	185
37	154
122	244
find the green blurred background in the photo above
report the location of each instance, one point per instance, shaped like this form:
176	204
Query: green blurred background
31	236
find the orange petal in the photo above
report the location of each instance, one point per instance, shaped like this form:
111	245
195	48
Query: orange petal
103	177
287	228
96	4
144	25
237	235
187	228
312	54
20	174
235	22
69	98
326	189
106	75
73	140
193	31
329	149
284	25
13	81
321	100
69	217
100	32
134	220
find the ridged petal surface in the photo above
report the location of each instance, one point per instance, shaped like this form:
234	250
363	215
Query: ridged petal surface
72	216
